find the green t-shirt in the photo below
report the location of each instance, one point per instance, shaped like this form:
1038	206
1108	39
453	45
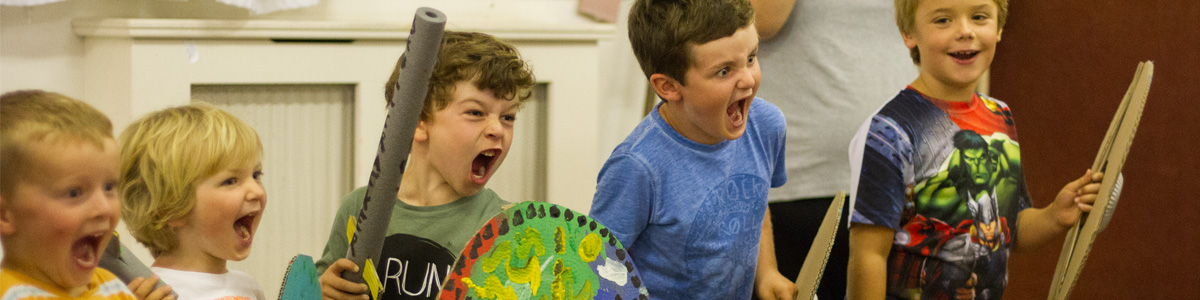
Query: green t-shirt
422	242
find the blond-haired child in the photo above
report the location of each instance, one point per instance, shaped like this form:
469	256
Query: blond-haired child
192	192
58	199
938	196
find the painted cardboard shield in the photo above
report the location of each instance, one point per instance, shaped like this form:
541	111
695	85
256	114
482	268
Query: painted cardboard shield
537	250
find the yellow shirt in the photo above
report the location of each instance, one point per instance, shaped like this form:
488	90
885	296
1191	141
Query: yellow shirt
103	285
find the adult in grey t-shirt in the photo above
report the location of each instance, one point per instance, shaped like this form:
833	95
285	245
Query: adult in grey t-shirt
828	65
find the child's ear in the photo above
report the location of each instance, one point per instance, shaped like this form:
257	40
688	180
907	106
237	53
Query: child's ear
7	225
666	87
909	40
999	33
420	135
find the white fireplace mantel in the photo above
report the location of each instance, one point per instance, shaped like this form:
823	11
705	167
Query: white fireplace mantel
327	30
135	66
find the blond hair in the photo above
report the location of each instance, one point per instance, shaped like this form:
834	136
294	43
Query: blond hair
488	62
906	20
165	154
29	116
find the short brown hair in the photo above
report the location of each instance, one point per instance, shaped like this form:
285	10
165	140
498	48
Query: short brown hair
480	57
663	31
165	154
29	116
906	20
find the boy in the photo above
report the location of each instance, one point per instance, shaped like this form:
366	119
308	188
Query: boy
191	185
58	206
465	130
939	196
686	191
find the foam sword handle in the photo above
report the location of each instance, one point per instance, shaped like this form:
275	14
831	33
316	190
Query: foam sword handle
118	260
416	67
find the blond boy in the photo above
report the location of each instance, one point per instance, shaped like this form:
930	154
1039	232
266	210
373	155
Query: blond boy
191	184
686	192
939	197
465	131
58	199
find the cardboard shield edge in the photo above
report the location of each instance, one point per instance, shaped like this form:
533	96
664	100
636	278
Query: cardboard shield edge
1112	158
814	264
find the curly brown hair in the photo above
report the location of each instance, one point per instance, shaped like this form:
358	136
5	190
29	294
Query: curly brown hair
478	57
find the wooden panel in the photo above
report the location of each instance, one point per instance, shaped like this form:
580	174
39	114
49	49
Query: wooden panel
1063	67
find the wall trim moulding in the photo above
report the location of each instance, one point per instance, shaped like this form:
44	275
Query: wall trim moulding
325	30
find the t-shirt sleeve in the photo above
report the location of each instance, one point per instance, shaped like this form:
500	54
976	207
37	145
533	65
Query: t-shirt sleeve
624	196
880	192
777	142
335	247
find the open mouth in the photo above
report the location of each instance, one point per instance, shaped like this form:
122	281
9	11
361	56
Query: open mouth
244	226
964	56
737	112
481	167
86	250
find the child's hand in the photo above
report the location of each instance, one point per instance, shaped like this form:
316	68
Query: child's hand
772	286
333	286
1077	196
143	288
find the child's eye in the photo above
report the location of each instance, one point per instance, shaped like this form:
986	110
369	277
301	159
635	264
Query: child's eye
75	193
230	181
752	58
108	187
723	72
980	17
509	118
258	175
941	20
475	113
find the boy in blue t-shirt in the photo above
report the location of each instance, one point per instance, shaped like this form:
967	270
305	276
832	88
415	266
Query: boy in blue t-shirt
686	191
939	196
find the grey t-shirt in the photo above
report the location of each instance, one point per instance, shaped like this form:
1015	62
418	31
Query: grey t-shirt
829	68
422	242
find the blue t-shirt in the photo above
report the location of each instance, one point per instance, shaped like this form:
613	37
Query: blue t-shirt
946	176
691	214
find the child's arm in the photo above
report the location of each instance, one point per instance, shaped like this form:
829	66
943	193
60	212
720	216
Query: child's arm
866	274
624	192
143	289
770	15
1037	226
768	282
333	263
333	286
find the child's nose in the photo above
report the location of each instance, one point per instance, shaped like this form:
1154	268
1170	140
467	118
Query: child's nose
258	192
966	31
105	205
495	128
746	78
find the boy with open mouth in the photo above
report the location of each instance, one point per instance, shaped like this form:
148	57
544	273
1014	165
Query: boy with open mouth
686	192
58	199
938	197
465	131
193	194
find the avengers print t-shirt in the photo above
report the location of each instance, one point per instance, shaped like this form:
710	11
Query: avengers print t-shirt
947	177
